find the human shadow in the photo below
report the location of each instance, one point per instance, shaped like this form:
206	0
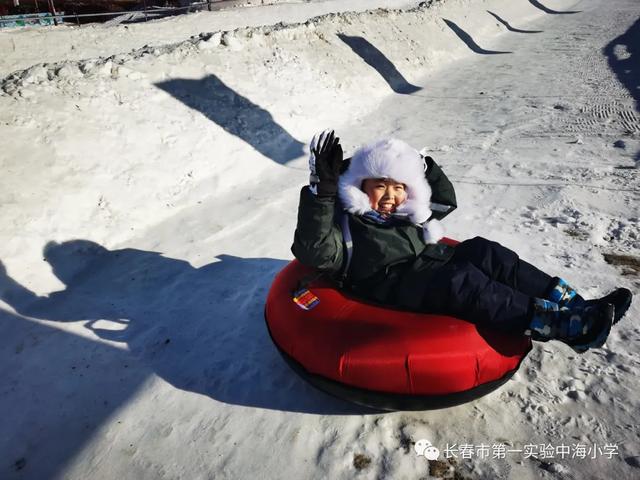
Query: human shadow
509	27
466	38
376	59
200	329
623	56
545	9
237	115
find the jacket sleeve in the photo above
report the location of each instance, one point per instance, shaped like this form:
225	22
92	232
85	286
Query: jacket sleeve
318	240
443	196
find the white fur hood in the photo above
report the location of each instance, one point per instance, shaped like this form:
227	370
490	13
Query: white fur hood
390	158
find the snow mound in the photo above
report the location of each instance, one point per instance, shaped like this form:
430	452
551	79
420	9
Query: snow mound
417	36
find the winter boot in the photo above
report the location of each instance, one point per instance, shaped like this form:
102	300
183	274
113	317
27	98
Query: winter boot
620	298
581	328
564	295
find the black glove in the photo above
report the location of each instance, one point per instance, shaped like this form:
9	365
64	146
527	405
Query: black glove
325	163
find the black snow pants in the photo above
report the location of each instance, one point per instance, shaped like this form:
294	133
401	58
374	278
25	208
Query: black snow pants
487	284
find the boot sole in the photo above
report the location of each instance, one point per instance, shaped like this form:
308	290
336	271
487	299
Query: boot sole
619	312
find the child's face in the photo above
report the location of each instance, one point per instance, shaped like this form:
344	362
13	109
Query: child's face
385	195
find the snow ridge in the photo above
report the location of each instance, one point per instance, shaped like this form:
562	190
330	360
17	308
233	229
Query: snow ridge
51	72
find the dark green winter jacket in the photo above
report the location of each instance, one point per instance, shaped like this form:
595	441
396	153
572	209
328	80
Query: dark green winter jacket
386	258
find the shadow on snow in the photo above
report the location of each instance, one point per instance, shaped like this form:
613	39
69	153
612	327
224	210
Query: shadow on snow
509	27
201	330
623	56
237	115
376	59
537	4
466	38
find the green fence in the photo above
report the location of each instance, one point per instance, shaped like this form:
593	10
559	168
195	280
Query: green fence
12	21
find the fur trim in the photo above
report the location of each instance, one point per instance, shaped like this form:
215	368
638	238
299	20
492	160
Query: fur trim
389	158
432	231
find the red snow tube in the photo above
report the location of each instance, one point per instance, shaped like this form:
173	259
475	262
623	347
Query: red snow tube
384	358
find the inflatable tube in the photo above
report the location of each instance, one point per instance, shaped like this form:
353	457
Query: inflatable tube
384	358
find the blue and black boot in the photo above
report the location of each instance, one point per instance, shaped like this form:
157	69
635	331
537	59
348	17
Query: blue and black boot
565	296
581	328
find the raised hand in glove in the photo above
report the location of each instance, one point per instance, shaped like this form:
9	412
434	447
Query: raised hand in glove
325	160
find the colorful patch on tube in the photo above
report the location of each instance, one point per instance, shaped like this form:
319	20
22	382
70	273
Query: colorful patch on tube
305	299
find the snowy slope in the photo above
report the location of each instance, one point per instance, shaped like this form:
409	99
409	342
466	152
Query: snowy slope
156	170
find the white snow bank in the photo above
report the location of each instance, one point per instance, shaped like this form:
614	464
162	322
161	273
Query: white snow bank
29	46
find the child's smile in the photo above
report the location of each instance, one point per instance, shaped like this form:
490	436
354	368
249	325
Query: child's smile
385	195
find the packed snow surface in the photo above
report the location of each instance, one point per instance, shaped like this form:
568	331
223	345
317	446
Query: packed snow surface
150	180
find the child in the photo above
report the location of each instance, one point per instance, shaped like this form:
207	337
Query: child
390	204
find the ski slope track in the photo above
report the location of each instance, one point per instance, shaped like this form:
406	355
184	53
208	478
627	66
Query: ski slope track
150	181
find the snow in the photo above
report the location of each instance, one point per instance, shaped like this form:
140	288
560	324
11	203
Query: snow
155	168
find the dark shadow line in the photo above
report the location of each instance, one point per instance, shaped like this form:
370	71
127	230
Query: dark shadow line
376	59
537	4
237	115
466	38
509	27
